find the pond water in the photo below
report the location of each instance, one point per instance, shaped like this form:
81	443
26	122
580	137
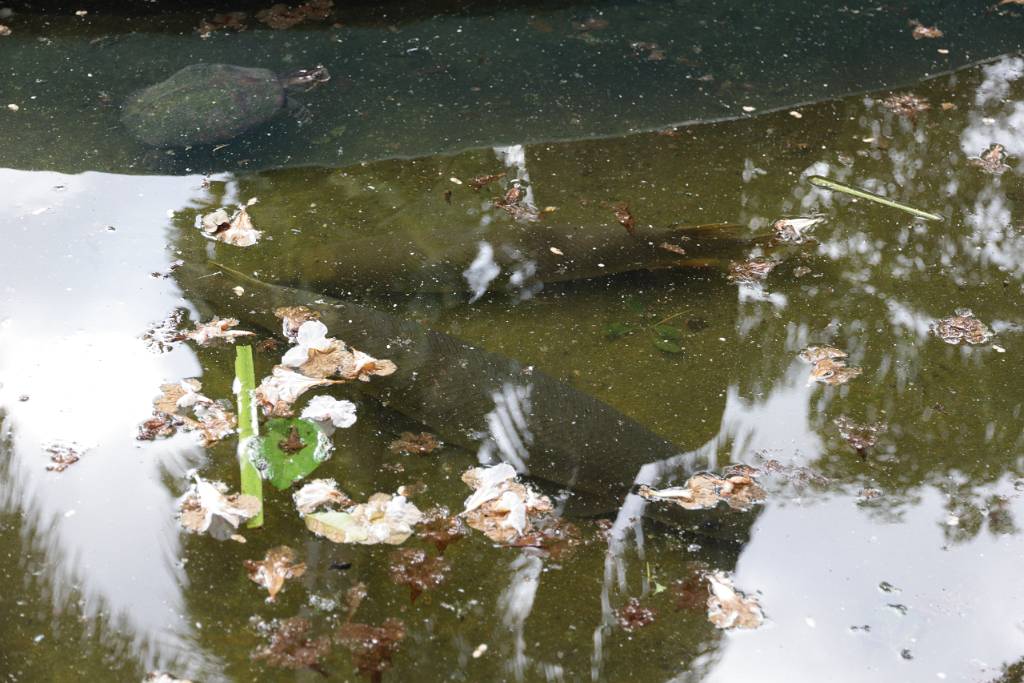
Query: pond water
896	561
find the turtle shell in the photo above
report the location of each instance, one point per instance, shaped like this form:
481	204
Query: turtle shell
203	104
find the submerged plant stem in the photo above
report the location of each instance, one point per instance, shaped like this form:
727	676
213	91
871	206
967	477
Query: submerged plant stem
871	197
248	429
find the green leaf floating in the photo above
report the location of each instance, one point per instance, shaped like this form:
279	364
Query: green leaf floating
291	449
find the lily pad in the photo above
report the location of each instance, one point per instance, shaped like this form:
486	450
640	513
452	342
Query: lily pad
291	450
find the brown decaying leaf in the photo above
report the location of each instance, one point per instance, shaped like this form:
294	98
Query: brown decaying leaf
962	327
730	608
674	248
274	569
632	616
372	647
218	328
992	160
860	436
412	567
418	444
751	271
290	646
482	181
624	217
63	456
282	388
512	203
739	490
828	365
501	507
225	21
212	420
553	536
235	229
920	31
205	508
441	528
320	493
361	366
794	229
281	16
292	318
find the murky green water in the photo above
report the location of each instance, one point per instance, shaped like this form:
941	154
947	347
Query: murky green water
898	563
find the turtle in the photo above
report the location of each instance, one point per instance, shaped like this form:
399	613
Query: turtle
209	103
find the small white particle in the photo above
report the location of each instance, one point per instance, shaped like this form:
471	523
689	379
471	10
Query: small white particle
480	650
13	107
796	115
239	291
38	638
556	251
69	513
998	348
749	109
953	520
943	51
170	213
455	180
988	121
810	622
600	265
81	13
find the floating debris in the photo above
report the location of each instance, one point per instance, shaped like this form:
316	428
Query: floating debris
860	436
212	420
706	490
674	248
216	329
795	229
320	493
162	335
906	104
276	567
962	327
828	365
868	493
652	52
632	616
319	356
382	519
482	181
372	647
691	593
235	229
63	455
920	31
992	160
225	21
502	508
414	444
751	271
730	608
163	677
205	508
412	567
281	16
291	647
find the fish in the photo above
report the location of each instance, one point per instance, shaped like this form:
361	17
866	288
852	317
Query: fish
496	406
517	259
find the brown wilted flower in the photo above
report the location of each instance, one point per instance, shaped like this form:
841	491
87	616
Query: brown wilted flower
372	647
412	567
992	160
751	271
632	616
728	607
290	646
274	569
962	327
920	31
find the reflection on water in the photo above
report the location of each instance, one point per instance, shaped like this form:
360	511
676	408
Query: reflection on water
896	563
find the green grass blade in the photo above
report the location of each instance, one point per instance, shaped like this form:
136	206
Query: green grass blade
248	429
871	197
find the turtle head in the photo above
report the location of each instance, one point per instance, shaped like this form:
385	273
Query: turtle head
307	78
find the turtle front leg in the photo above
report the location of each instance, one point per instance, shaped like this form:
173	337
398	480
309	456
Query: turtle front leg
298	111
